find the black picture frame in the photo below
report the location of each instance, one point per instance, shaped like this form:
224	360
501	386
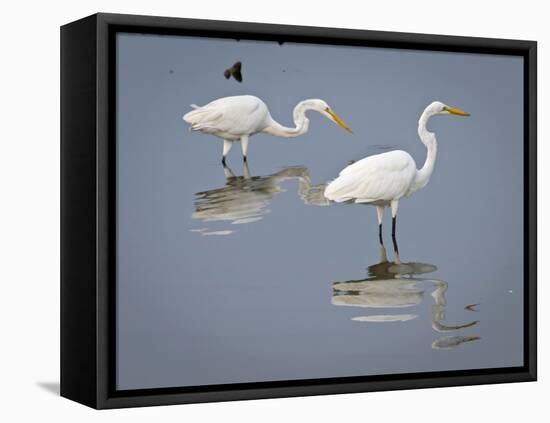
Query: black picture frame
88	210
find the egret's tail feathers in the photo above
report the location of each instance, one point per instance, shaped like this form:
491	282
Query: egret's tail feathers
191	116
202	127
332	192
202	118
342	189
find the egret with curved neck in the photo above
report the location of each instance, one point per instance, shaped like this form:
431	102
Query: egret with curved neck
383	179
237	118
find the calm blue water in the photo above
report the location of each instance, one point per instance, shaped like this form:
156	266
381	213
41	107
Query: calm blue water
248	274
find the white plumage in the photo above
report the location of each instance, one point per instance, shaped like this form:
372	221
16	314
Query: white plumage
230	117
238	117
379	178
383	179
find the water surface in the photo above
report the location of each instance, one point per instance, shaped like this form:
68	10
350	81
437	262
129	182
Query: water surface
248	274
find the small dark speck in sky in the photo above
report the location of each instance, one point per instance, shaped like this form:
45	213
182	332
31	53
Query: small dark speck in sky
234	71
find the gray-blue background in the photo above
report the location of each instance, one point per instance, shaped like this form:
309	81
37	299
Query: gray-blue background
255	305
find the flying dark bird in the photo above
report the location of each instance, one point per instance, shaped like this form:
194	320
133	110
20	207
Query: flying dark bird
234	71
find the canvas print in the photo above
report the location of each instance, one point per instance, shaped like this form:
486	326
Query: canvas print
290	211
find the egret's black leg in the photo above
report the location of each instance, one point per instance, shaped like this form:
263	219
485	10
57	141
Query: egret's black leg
380	215
245	159
395	247
393	237
223	161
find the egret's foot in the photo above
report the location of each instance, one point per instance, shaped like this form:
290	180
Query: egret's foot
397	259
382	253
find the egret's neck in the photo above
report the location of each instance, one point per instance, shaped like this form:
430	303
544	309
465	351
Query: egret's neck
301	123
428	139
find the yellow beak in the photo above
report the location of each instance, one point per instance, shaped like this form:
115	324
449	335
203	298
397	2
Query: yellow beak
456	111
339	121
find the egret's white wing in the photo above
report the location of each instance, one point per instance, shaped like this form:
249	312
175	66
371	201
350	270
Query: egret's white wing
204	118
236	115
382	177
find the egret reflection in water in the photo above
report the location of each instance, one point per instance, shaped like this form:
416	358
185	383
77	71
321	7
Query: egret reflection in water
246	199
397	285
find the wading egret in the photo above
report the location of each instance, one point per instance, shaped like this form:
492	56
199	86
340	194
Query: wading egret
383	179
238	117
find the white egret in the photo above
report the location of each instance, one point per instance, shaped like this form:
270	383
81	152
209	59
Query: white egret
238	117
383	179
